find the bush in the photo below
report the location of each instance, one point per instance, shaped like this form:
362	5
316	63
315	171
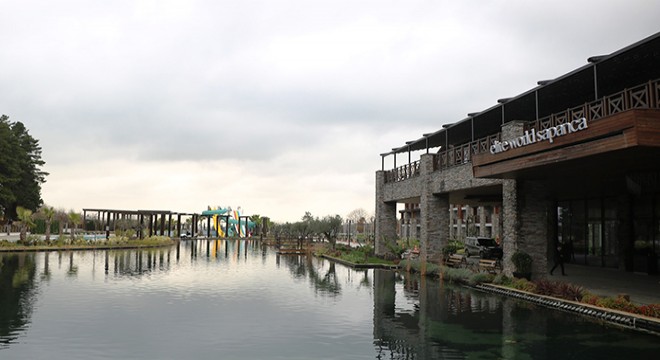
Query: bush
523	284
459	276
395	249
652	310
450	249
522	261
432	269
589	298
480	278
618	303
501	279
570	292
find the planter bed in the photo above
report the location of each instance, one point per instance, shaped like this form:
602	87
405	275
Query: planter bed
619	318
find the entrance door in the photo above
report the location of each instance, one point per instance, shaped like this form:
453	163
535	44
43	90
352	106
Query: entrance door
595	239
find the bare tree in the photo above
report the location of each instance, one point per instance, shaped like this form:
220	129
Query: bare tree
358	217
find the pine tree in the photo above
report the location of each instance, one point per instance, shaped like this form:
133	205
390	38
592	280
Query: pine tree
20	168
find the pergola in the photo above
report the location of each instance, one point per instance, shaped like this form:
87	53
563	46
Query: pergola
156	220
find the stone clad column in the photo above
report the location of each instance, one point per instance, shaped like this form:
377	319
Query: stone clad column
385	217
526	209
495	222
460	214
434	218
482	220
510	206
527	224
511	224
536	230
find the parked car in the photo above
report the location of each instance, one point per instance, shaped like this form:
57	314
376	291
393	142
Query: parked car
485	247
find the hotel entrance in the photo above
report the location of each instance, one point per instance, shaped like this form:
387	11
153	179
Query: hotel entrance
595	232
589	231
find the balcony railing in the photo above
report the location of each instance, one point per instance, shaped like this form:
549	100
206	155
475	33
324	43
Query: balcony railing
462	154
403	172
645	96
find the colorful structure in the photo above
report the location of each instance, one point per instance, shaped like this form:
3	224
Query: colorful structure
228	223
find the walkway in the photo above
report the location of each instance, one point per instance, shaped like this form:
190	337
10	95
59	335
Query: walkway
642	288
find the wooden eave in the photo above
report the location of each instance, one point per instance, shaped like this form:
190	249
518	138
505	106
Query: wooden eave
631	129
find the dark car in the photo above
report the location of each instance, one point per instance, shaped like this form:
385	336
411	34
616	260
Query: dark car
485	247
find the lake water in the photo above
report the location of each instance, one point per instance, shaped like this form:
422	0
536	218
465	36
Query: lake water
238	300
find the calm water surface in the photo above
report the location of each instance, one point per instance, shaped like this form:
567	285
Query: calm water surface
238	300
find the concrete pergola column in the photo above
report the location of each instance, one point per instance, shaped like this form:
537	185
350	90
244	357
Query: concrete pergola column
386	219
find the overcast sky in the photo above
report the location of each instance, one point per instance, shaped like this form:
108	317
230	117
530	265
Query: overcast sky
277	106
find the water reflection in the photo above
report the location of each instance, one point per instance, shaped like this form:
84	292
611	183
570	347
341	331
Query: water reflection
324	281
18	289
447	322
356	313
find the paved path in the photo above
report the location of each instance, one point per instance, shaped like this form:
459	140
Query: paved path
642	288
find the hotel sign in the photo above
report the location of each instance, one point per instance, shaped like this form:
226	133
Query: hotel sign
534	136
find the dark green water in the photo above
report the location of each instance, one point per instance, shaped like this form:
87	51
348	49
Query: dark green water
238	300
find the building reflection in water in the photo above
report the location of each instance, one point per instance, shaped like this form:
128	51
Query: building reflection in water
413	317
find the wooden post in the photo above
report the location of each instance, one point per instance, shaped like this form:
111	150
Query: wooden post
169	225
162	224
178	225
107	226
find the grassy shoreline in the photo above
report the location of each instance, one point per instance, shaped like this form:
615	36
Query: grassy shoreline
153	242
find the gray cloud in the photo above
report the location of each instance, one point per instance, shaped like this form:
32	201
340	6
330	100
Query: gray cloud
280	87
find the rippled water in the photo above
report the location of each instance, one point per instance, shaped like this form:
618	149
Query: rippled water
239	300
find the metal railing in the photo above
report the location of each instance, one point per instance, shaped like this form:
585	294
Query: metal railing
403	172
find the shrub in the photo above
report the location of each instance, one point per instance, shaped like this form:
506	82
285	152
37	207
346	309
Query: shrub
432	269
501	279
413	265
450	249
618	303
480	278
570	291
523	284
395	249
652	310
546	287
522	261
459	276
589	298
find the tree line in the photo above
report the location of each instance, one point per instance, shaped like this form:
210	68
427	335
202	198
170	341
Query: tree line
327	227
21	173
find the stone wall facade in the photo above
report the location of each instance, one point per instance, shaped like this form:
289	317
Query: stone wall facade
386	220
525	212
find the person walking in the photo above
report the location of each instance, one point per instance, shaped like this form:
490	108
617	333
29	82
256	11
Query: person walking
558	259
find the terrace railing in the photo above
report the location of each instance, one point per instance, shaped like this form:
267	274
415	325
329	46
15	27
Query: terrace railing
462	154
645	96
403	172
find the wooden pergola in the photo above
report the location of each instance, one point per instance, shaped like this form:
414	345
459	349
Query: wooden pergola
156	220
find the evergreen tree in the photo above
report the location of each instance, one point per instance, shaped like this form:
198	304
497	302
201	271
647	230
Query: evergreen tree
20	168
